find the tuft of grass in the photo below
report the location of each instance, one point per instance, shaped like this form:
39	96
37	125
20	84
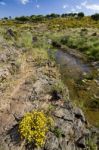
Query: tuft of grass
25	39
58	132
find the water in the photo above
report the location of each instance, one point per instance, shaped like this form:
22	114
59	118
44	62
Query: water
74	70
71	65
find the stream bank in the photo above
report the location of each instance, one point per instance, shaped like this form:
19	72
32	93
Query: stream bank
82	80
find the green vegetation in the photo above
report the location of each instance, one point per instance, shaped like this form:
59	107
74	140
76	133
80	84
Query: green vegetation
93	104
82	41
91	144
95	17
58	132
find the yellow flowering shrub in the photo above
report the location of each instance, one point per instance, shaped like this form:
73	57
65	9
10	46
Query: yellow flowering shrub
34	126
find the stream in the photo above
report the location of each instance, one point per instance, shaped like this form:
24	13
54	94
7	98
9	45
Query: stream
80	77
72	66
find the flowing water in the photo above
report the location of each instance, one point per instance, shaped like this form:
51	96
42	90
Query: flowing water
74	72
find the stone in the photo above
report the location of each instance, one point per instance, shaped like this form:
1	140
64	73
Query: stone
3	57
79	114
56	95
4	73
52	142
7	121
55	44
10	32
63	114
34	39
94	34
81	142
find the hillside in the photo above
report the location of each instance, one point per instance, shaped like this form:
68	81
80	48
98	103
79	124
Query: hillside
50	66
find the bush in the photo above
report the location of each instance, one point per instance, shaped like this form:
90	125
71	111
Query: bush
80	15
22	18
95	17
34	126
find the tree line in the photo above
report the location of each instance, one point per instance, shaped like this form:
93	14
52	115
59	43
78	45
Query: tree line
79	15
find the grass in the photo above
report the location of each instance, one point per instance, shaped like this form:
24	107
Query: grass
86	44
93	104
79	36
58	132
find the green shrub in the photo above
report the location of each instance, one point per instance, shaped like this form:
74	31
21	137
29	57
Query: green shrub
25	39
58	132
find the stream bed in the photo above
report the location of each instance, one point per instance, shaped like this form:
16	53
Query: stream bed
82	80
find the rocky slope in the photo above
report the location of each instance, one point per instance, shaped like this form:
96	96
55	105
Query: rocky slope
25	85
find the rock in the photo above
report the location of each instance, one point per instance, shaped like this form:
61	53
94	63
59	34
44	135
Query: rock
3	57
68	105
96	64
52	142
96	81
94	34
7	121
10	32
34	39
81	143
79	128
55	44
63	114
87	133
19	108
56	96
79	114
4	73
66	145
49	41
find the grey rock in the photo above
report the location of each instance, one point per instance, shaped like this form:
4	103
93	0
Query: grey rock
4	73
81	143
3	57
52	142
63	114
79	114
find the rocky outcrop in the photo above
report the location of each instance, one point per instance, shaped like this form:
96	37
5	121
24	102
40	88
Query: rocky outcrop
69	132
35	91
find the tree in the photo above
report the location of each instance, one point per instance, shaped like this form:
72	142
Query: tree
37	18
22	18
64	15
95	17
81	15
52	16
5	18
